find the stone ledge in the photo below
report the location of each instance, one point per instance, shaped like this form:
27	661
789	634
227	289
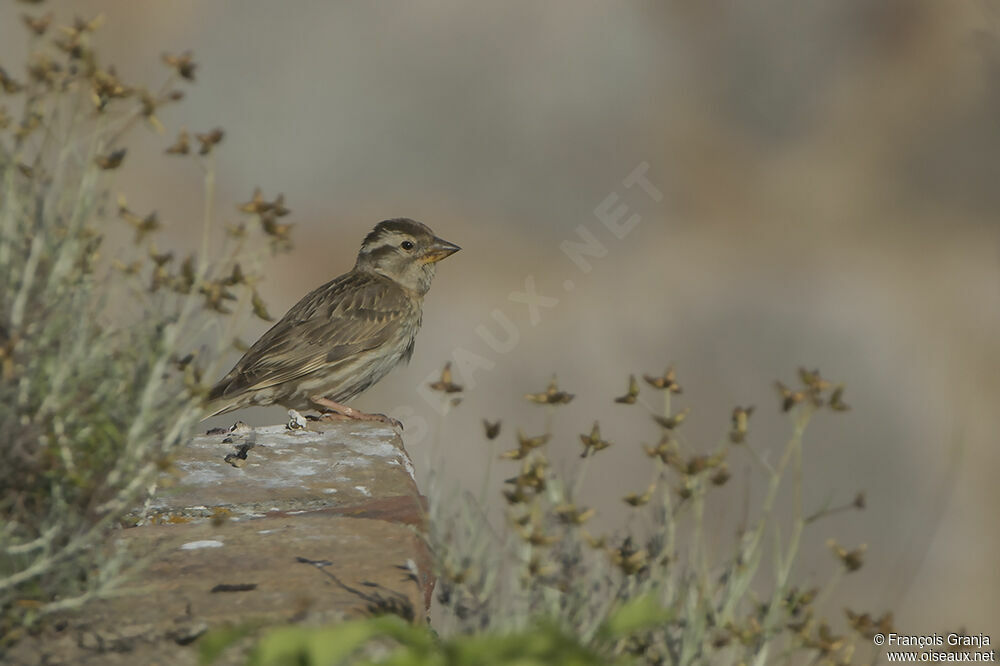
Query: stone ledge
326	465
309	526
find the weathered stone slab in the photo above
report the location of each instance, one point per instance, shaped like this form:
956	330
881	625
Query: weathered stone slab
328	464
308	525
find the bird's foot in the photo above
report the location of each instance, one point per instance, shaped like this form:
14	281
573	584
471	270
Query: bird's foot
337	410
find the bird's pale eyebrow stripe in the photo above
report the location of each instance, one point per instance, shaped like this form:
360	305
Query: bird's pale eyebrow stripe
381	237
373	236
380	251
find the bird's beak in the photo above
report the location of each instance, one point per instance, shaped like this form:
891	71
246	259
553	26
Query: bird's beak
440	249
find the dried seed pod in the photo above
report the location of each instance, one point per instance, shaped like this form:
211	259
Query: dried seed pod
571	515
39	25
631	394
112	160
851	559
593	442
492	429
181	146
551	396
445	384
667	381
740	421
209	140
182	64
789	398
837	403
528	443
671	422
635	499
259	309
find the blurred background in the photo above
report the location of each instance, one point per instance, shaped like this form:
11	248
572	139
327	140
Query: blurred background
787	184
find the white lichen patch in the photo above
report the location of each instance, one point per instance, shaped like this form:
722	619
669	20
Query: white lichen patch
298	468
378	449
205	543
375	432
381	449
278	435
200	473
405	462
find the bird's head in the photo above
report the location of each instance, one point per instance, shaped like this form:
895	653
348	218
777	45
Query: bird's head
404	251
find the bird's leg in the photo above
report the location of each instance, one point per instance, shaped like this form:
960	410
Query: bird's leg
351	413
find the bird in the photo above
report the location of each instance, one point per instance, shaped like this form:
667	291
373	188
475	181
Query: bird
345	335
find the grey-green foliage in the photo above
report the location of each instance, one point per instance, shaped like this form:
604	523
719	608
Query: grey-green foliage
741	603
90	399
99	373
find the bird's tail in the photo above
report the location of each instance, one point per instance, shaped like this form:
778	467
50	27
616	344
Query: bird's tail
217	402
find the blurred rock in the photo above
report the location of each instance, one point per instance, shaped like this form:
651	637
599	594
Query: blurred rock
316	526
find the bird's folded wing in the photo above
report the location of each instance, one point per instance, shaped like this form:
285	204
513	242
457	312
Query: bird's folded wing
352	314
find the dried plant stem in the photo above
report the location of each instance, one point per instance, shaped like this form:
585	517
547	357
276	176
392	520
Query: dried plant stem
581	474
785	562
750	553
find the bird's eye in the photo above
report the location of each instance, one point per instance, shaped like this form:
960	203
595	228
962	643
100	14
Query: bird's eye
406	245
